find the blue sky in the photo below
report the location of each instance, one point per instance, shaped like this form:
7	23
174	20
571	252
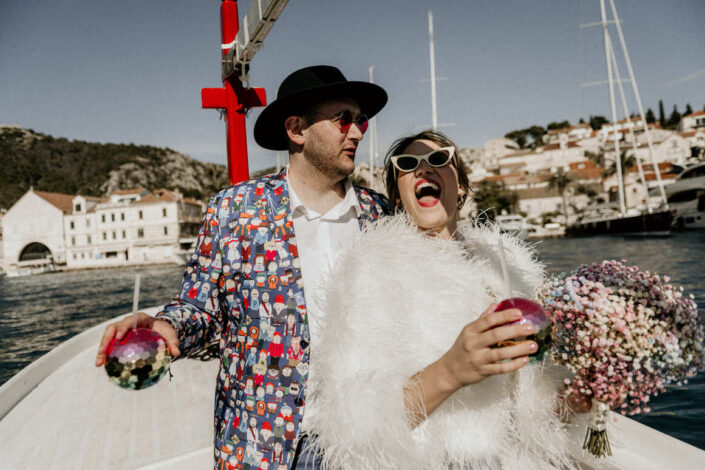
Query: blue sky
132	70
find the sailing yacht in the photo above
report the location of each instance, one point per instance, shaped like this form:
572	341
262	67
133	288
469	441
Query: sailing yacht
654	219
686	198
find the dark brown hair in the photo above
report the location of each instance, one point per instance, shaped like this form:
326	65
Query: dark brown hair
390	172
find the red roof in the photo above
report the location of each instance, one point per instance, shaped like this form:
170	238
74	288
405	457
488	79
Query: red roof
124	192
697	113
193	202
160	195
63	202
556	146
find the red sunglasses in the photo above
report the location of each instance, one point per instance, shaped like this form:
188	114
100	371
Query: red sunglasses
346	118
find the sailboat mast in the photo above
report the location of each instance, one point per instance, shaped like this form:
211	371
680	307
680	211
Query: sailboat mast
434	111
630	127
373	138
638	101
618	157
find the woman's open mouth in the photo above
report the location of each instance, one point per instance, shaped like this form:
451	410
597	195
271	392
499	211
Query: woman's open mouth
428	193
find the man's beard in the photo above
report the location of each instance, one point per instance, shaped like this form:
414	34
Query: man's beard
323	157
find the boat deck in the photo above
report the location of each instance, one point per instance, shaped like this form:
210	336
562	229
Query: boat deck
61	412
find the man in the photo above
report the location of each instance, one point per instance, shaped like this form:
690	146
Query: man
295	220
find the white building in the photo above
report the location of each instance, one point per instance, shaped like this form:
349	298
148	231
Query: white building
33	229
496	149
549	158
130	227
692	121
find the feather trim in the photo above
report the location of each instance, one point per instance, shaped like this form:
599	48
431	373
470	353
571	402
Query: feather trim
395	303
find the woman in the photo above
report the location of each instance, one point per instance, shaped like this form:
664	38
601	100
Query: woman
408	375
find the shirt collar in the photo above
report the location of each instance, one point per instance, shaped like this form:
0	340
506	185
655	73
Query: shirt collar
339	210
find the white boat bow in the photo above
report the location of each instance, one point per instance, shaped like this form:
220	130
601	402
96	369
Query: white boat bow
61	412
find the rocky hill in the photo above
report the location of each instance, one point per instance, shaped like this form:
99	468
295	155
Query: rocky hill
30	159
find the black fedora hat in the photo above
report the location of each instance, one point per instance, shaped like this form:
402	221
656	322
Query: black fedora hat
306	87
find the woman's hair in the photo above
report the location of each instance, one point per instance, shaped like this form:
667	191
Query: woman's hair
390	172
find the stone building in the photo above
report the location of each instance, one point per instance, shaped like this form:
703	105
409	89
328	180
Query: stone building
129	227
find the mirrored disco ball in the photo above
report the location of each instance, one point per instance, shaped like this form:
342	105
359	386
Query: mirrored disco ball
139	360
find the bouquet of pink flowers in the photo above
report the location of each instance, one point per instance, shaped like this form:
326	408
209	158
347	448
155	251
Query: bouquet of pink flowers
625	334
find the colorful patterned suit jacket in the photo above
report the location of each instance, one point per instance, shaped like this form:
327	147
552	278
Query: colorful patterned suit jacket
243	288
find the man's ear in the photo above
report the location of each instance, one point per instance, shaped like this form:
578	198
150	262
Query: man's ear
294	129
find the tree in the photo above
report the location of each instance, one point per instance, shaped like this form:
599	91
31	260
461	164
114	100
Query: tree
558	125
492	197
650	118
627	162
596	122
518	136
536	133
561	181
688	110
675	117
661	114
582	121
598	158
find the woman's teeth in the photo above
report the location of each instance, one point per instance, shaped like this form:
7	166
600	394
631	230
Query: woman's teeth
427	188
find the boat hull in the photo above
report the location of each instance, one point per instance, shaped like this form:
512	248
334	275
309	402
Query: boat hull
653	224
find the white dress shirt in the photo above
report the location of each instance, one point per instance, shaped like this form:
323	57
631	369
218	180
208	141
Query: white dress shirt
319	238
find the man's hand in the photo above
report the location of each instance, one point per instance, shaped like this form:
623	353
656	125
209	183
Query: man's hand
118	329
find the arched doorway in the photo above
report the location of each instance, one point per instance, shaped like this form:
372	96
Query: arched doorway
35	251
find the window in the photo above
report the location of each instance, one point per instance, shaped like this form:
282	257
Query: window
88	222
73	241
164	212
77	208
140	214
71	224
75	256
114	235
124	234
89	240
102	218
122	216
105	236
140	233
112	217
83	256
166	230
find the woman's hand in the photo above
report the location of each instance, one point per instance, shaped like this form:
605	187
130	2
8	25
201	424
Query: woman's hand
118	329
472	359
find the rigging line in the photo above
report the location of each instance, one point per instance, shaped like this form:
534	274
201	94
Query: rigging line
156	449
98	389
630	128
638	102
178	411
115	400
132	443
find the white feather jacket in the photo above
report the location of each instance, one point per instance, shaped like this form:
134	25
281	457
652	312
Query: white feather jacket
396	302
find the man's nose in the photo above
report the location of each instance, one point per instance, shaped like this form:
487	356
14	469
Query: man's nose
354	132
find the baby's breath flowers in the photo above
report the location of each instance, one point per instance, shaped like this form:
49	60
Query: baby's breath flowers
625	334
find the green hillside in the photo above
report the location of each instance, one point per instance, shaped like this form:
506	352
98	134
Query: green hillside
30	159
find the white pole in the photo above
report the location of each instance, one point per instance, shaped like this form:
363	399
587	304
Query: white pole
279	164
630	127
434	112
618	157
638	102
372	138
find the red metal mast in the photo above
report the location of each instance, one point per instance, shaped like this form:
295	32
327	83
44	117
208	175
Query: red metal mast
234	98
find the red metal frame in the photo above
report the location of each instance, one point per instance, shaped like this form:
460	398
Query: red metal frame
234	99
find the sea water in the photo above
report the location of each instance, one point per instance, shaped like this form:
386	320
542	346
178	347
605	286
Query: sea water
39	312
